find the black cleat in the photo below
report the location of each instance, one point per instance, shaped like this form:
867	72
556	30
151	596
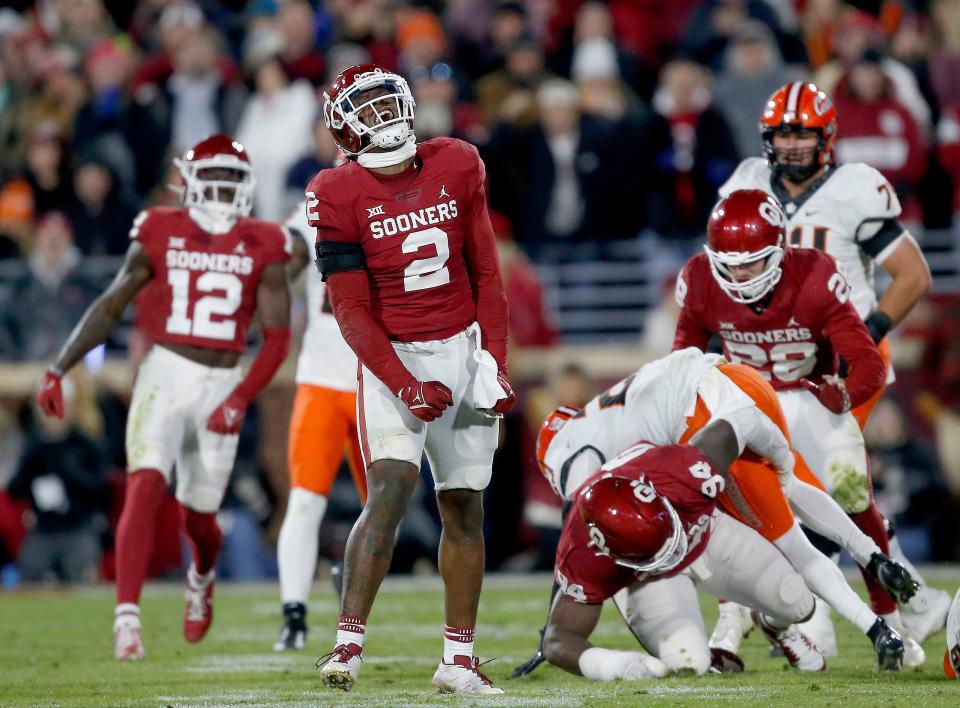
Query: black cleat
888	646
293	636
531	664
894	577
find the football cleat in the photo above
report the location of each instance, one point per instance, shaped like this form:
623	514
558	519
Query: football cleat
797	648
340	668
733	624
127	644
888	646
819	629
913	654
893	576
293	636
723	661
198	613
463	676
925	613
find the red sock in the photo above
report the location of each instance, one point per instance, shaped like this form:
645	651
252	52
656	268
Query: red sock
205	538
871	523
135	532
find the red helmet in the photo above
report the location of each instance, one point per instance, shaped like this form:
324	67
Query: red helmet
799	106
224	195
631	523
342	110
548	431
747	226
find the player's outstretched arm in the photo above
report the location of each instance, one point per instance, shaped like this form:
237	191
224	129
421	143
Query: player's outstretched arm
96	324
273	308
566	644
911	279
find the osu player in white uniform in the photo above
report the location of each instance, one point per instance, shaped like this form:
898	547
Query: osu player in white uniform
323	426
851	212
405	246
201	270
670	401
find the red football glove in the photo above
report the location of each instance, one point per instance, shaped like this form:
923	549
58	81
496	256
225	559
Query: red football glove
227	419
50	395
504	405
832	393
426	399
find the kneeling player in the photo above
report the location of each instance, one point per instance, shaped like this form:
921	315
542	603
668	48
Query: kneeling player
647	520
203	269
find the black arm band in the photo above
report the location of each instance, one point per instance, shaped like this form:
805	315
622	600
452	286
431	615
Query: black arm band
890	230
338	257
879	324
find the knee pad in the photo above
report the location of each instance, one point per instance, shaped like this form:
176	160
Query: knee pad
851	487
795	595
685	647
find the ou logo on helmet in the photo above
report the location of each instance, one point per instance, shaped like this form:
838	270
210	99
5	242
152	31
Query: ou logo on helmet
598	541
772	213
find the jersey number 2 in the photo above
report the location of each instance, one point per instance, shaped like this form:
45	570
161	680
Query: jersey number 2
202	324
429	272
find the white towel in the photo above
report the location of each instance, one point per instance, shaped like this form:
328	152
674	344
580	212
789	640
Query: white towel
486	388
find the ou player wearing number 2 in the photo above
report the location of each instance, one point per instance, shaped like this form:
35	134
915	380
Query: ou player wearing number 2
852	212
405	246
201	271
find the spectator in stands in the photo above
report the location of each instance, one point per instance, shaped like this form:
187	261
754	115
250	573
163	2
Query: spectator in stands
48	301
276	128
63	473
60	94
421	41
439	110
509	94
81	23
530	316
948	149
945	56
482	36
703	153
48	170
323	156
117	129
16	217
300	57
100	215
879	130
196	101
12	104
939	398
753	69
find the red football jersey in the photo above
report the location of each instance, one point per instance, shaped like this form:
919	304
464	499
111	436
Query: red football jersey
678	472
426	238
807	322
203	291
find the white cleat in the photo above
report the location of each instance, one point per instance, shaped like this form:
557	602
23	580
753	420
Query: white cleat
802	653
340	667
463	676
926	613
819	630
733	624
913	653
127	644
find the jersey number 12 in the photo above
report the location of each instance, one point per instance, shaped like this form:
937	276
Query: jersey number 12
203	324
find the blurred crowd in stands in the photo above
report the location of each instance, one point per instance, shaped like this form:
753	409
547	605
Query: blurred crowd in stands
598	122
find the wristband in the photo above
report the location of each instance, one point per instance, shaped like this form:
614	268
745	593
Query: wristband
879	324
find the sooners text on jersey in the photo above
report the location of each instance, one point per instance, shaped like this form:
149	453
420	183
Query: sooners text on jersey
414	228
678	472
786	340
204	286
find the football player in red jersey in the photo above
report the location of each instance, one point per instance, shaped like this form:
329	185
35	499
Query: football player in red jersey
646	521
201	270
405	246
787	313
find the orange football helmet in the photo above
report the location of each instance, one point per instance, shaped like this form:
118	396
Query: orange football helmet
799	106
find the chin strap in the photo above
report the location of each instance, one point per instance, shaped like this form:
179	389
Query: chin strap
372	160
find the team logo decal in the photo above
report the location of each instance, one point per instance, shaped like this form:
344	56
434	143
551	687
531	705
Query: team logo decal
177	242
375	211
443	192
821	104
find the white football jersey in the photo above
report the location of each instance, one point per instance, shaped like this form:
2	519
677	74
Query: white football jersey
652	405
325	359
850	213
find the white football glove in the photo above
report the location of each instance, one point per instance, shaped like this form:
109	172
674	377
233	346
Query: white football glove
643	666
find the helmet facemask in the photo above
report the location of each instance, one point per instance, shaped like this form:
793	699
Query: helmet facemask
796	172
377	108
671	553
753	289
221	187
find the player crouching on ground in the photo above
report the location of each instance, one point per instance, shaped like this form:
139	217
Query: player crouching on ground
201	271
647	520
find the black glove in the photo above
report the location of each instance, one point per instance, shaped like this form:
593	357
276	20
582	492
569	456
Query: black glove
879	324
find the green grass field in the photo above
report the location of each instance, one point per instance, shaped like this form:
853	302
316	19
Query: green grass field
56	649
